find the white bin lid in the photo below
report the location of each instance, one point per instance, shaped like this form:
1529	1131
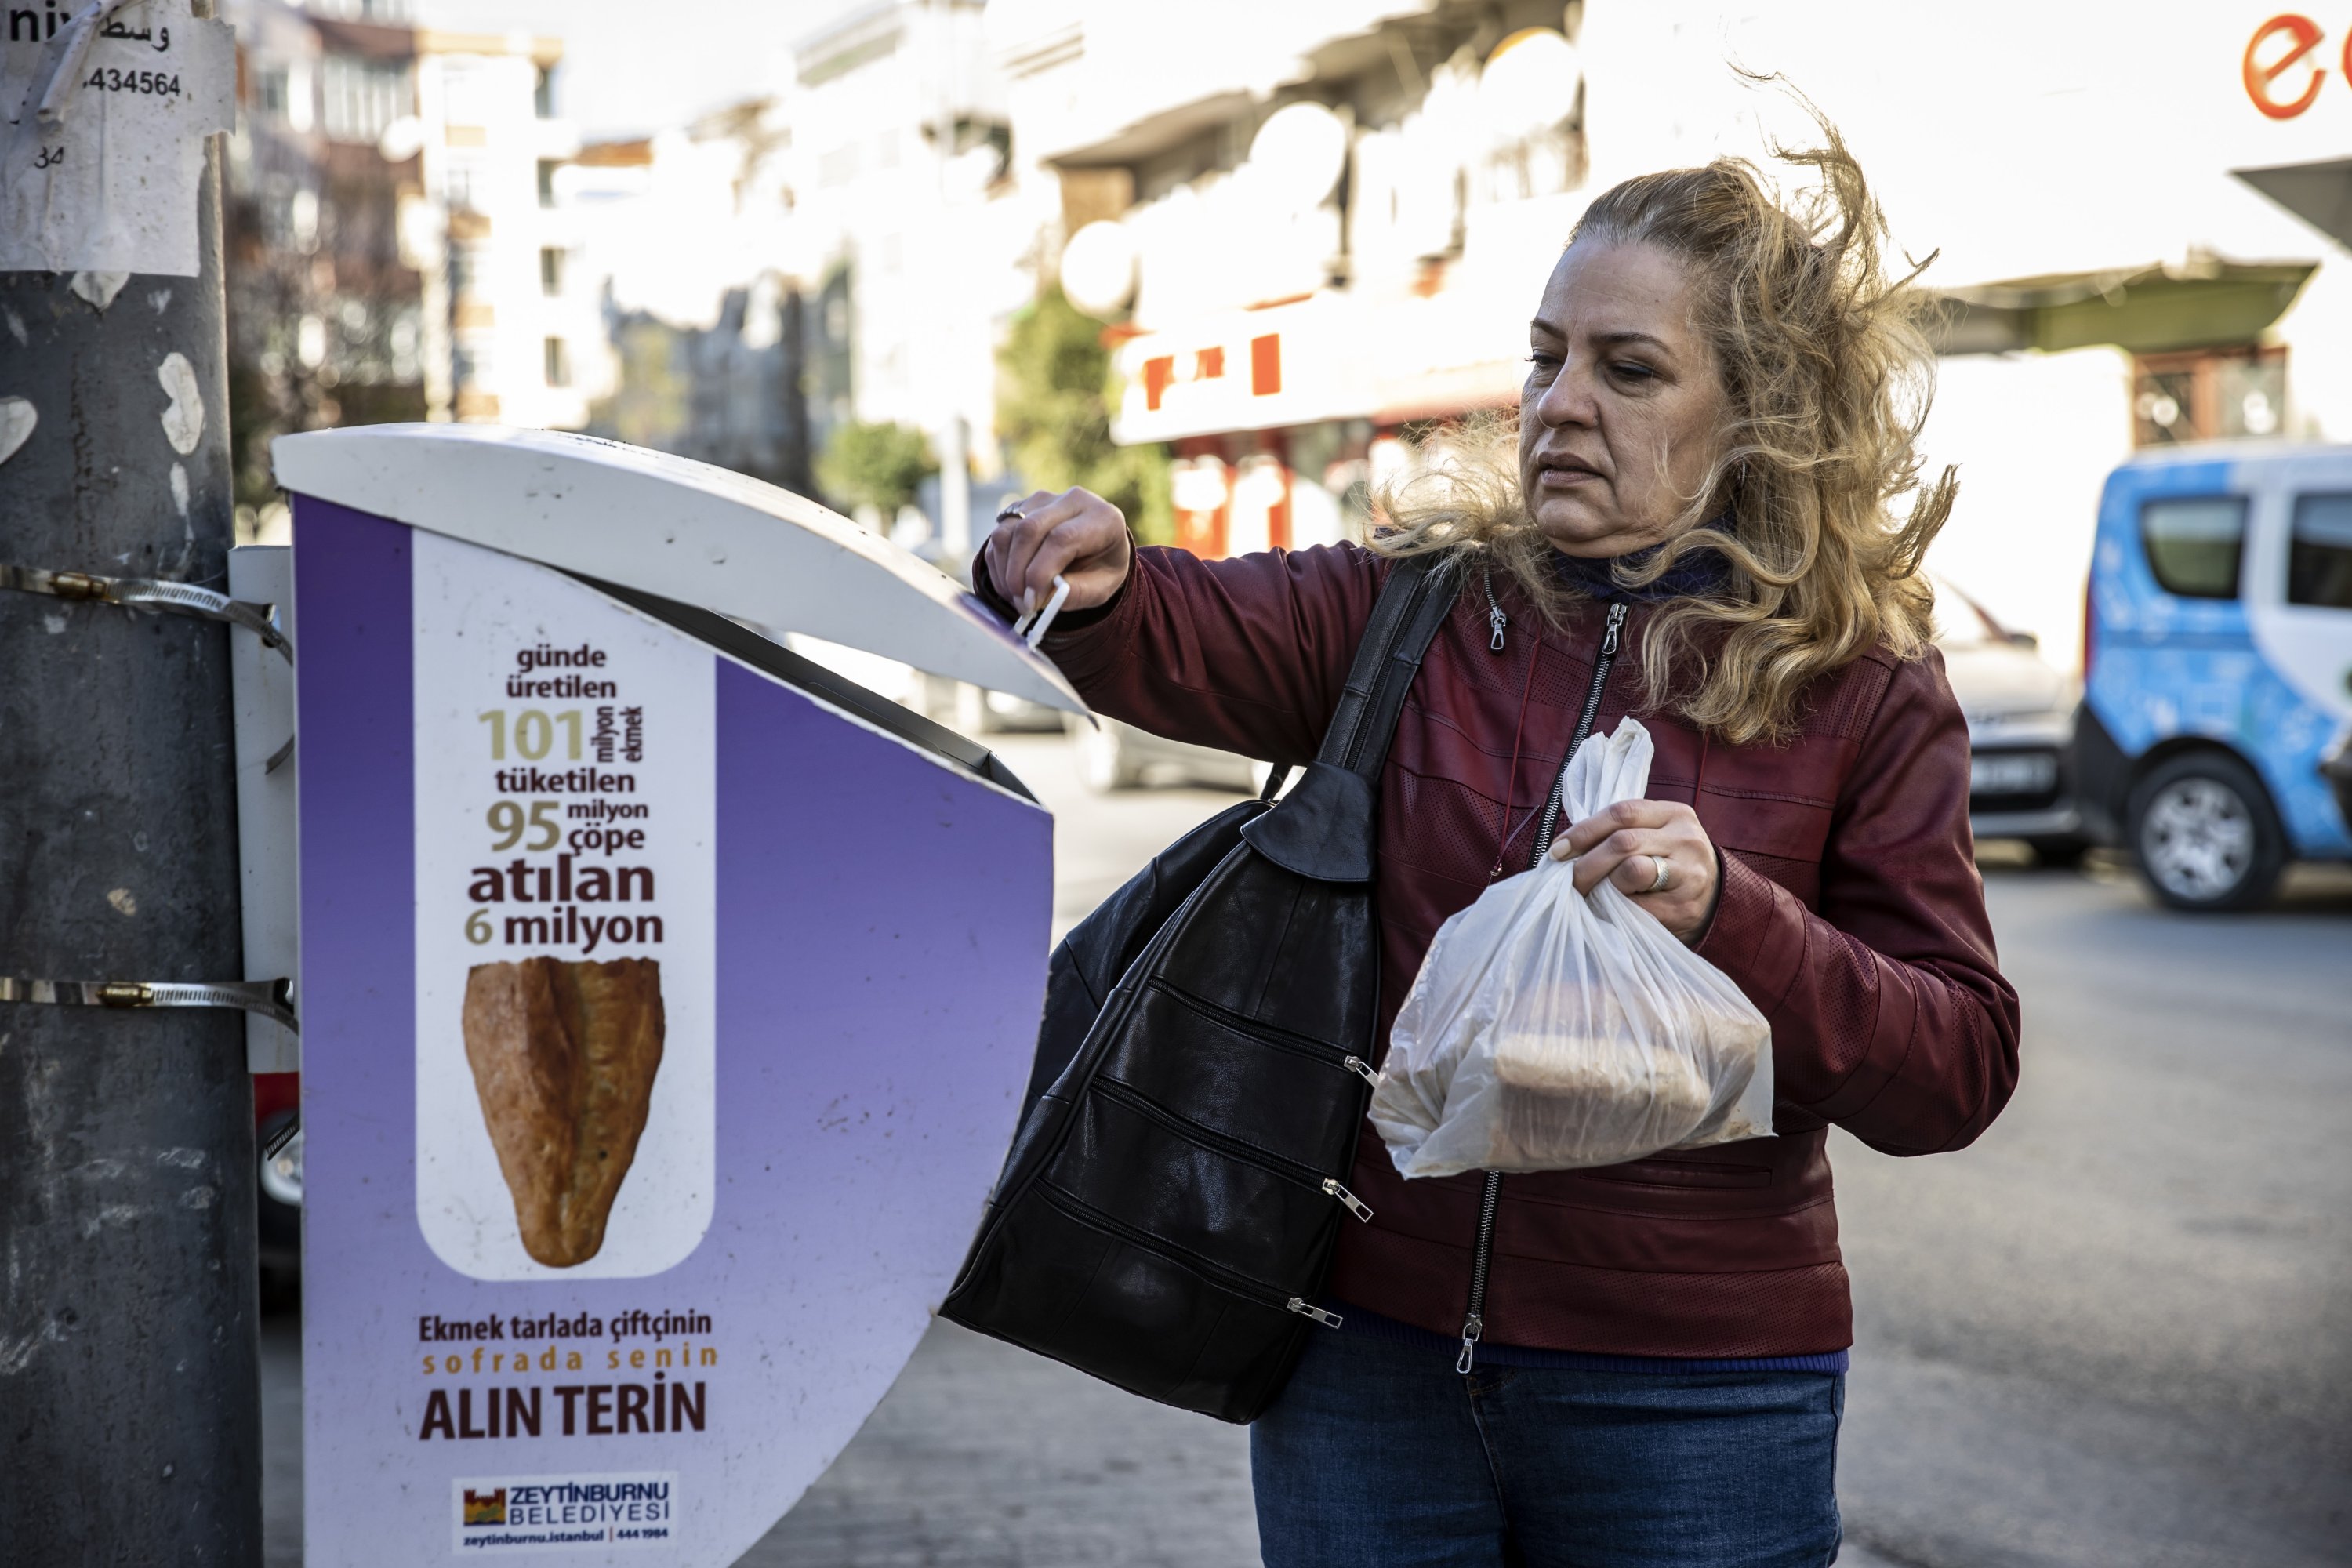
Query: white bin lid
684	529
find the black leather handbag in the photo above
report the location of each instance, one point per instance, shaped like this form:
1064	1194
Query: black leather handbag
1167	1215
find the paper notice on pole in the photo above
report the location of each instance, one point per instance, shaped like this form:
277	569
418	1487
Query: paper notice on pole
107	107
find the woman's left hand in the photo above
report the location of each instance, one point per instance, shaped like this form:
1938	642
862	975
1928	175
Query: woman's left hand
1630	842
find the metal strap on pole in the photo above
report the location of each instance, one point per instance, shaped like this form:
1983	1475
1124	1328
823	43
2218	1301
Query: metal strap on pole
150	593
267	997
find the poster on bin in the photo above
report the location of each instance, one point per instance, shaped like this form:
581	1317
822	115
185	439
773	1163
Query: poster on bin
664	1027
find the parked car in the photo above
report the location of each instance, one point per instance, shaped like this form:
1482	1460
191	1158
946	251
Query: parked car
2021	714
2336	767
276	1102
1116	756
978	712
2218	647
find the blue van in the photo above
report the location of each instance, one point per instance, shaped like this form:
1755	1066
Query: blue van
2218	668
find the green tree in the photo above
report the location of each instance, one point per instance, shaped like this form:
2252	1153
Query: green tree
875	465
1053	405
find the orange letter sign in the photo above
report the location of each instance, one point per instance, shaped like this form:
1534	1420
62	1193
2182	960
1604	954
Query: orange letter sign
2305	32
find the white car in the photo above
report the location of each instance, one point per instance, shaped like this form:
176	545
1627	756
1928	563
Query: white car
2021	714
1120	757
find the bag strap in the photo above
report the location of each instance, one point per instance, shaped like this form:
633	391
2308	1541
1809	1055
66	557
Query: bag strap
1414	603
1324	829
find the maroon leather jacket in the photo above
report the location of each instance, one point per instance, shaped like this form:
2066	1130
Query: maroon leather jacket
1850	913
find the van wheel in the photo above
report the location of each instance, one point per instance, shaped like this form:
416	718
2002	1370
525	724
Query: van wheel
2205	832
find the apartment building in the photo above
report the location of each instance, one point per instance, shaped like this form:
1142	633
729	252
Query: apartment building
490	144
398	249
914	238
326	314
1313	226
689	250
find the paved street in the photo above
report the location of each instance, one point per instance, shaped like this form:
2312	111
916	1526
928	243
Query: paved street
2118	1332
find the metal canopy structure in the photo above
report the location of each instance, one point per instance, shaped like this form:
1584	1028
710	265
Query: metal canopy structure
2142	310
2319	193
684	531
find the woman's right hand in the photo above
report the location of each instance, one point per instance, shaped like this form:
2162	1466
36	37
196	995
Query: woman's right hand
1075	535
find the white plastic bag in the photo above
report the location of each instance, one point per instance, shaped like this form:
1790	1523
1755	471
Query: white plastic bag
1549	1030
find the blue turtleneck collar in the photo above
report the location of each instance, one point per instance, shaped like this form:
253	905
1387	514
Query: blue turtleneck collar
1706	572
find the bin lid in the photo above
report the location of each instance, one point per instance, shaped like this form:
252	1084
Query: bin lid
686	530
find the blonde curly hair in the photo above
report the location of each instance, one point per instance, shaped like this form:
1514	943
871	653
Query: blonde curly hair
1827	378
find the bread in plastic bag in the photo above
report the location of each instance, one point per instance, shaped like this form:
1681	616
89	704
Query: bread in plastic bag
1549	1030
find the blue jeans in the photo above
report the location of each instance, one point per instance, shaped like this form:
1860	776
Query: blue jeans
1380	1454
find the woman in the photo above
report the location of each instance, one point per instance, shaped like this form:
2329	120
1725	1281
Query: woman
1640	1364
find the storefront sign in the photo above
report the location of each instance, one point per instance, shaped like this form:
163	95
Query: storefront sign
664	1027
1334	356
2285	67
1240	370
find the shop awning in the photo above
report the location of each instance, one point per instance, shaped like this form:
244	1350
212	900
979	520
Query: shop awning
2145	309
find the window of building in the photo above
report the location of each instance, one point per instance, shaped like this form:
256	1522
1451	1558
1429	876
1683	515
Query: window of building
559	362
838	166
270	94
550	270
471	364
2319	553
2208	395
289	213
474	90
547	168
2195	544
302	220
542	93
361	97
365	10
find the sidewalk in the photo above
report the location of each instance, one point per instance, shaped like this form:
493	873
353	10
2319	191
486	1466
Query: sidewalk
1111	1482
937	1481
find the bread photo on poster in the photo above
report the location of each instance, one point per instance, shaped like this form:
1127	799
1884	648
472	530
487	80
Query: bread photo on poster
565	833
564	1055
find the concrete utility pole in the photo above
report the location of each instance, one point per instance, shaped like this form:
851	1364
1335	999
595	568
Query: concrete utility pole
130	1393
799	461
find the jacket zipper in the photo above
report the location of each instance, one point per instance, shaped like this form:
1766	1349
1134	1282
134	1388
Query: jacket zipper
1600	667
1473	1322
1224	1278
1234	1149
1260	1033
